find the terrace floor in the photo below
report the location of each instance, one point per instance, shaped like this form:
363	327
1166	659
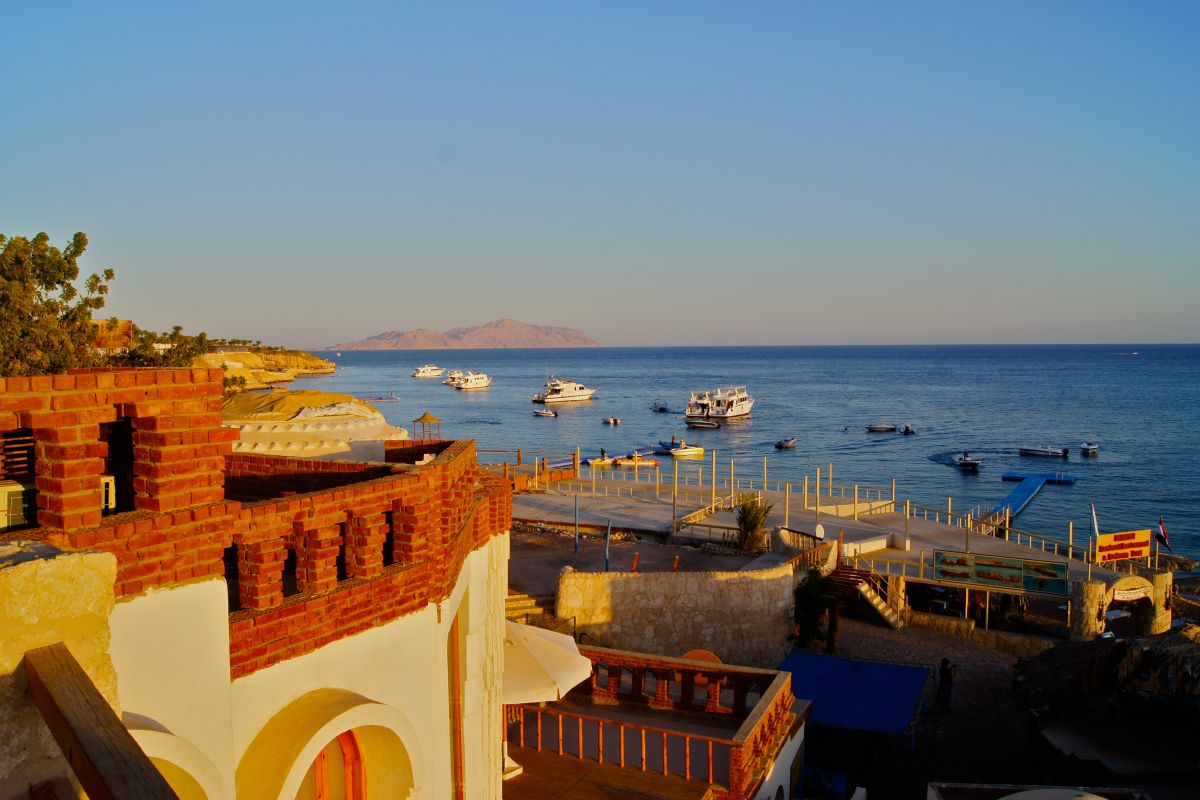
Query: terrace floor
549	776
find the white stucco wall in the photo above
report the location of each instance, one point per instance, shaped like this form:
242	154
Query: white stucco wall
171	652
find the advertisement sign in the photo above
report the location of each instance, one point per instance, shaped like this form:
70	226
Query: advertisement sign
1125	544
1000	572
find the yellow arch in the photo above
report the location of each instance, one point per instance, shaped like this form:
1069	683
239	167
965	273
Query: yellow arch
276	761
190	772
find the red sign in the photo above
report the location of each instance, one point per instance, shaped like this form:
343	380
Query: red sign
1125	544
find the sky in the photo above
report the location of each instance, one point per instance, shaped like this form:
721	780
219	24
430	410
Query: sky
664	173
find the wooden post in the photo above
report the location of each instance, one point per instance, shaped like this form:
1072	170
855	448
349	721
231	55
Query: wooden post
518	456
787	502
713	501
906	511
732	490
893	490
806	491
98	748
855	517
949	507
829	479
817	494
674	493
764	473
1070	544
576	461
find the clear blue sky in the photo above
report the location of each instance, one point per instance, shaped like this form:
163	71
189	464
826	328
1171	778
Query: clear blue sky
651	173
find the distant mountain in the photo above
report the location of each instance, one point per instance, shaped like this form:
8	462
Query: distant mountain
499	334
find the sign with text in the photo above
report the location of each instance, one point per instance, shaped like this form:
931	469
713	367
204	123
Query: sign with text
1000	572
1124	544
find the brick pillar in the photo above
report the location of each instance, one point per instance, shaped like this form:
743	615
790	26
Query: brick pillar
316	558
68	462
260	574
364	545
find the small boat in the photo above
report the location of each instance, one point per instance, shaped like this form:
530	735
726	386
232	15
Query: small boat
390	397
603	461
1089	449
724	402
612	420
428	371
541	412
881	427
707	424
1044	451
563	390
635	461
786	444
680	449
966	463
908	430
453	377
474	380
659	407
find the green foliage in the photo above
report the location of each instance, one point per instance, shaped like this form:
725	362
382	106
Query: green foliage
752	516
150	349
45	321
232	385
812	597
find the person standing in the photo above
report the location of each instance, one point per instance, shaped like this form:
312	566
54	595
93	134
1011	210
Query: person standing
945	683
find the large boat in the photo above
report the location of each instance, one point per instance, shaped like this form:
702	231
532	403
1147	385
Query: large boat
724	402
1044	451
474	380
453	377
563	390
428	371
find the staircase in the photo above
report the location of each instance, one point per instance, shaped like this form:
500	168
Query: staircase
851	582
535	609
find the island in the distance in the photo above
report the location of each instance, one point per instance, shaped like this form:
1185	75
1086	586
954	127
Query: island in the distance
498	334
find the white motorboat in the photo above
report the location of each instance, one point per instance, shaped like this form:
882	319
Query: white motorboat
1089	449
700	422
428	371
541	412
473	380
680	449
563	390
881	427
1045	451
612	420
453	377
724	402
966	463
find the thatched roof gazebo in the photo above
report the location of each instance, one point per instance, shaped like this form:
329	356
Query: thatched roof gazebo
427	433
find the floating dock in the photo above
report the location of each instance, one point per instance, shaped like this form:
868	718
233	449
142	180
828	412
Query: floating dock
1028	485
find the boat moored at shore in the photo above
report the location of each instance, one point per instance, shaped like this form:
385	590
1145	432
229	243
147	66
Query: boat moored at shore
563	390
724	402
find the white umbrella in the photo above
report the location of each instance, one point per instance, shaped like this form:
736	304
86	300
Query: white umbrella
540	664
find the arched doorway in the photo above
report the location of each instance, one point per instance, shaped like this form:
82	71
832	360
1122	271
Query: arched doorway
337	772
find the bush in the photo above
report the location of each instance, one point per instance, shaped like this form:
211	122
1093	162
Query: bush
752	516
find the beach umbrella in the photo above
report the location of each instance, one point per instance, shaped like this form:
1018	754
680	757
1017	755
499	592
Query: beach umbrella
540	664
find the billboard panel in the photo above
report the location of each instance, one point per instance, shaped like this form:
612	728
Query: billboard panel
1000	572
1123	544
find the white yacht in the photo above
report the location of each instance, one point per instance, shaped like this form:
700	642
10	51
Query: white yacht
563	390
428	371
453	377
724	402
474	380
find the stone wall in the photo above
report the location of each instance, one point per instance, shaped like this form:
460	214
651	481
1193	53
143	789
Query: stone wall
743	617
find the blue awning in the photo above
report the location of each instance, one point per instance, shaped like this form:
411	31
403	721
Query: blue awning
863	695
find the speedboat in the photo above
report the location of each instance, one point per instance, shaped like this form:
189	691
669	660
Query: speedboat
453	377
474	380
563	390
786	444
1089	449
659	407
428	371
612	420
680	449
908	430
724	402
881	427
541	412
1044	451
966	463
707	424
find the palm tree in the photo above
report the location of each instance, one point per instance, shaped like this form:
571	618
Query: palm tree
752	516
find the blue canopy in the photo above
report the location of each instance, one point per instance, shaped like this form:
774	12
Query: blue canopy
864	695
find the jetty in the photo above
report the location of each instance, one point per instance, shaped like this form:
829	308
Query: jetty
1028	485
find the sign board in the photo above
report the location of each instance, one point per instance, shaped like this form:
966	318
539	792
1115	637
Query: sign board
1132	594
1125	544
1000	572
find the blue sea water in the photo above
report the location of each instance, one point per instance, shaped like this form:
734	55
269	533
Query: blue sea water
1139	402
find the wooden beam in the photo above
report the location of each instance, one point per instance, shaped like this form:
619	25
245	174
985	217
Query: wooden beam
105	758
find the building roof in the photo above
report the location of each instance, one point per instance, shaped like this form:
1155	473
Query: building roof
863	695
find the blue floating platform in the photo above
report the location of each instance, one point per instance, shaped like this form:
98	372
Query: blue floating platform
1028	485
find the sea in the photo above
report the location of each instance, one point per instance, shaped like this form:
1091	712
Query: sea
1140	403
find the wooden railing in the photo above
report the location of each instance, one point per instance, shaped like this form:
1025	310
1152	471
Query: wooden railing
761	699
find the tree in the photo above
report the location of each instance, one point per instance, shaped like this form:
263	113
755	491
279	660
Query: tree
150	349
45	322
752	516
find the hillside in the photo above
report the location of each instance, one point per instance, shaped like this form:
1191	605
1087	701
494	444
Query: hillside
502	333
